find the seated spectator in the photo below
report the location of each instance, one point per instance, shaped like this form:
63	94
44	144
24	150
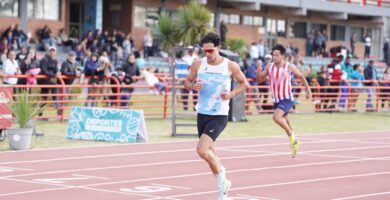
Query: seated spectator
5	47
11	67
29	66
63	38
22	54
156	86
21	36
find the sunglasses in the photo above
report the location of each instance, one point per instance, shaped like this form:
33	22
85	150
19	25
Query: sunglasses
208	50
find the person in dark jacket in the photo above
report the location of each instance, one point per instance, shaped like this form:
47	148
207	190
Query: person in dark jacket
128	70
48	65
92	69
370	74
69	68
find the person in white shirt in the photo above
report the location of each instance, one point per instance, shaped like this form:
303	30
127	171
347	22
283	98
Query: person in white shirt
367	46
11	67
190	56
253	51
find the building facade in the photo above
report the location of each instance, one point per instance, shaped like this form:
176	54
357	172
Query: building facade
274	21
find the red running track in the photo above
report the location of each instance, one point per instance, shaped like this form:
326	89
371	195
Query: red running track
329	166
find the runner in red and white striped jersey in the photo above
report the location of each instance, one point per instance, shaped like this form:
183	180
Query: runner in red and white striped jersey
279	73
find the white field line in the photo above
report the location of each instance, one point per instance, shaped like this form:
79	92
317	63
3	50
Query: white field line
189	161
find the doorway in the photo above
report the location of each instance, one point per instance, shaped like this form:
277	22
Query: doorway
76	19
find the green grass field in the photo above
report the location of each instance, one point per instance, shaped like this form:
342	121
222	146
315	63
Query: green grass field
258	125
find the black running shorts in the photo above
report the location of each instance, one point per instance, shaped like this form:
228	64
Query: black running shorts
211	125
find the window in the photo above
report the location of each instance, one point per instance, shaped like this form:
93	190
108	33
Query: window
234	19
230	18
247	20
276	27
297	30
337	32
320	27
358	32
252	20
145	16
9	8
41	9
257	21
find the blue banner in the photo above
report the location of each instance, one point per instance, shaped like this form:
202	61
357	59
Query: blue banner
104	124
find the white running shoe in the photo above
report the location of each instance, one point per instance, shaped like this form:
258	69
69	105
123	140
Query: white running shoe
223	190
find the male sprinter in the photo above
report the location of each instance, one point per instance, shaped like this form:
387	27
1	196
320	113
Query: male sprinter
279	73
211	77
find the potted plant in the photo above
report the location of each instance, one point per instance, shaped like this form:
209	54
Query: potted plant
24	107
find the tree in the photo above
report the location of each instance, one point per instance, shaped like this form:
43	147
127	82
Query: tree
193	23
188	25
165	31
237	45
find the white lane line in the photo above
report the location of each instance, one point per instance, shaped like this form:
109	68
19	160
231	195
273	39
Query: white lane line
34	191
194	140
171	186
237	171
91	177
15	168
156	152
364	195
256	197
288	183
61	187
167	151
187	161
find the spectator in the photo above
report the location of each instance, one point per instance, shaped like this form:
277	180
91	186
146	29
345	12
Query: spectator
385	92
48	65
70	68
386	52
260	46
323	81
251	73
347	71
371	75
336	73
29	67
11	67
253	52
127	46
139	61
91	69
357	77
128	72
353	44
151	79
148	44
310	43
318	41
367	46
21	37
64	39
182	71
190	56
324	41
264	86
22	54
5	47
